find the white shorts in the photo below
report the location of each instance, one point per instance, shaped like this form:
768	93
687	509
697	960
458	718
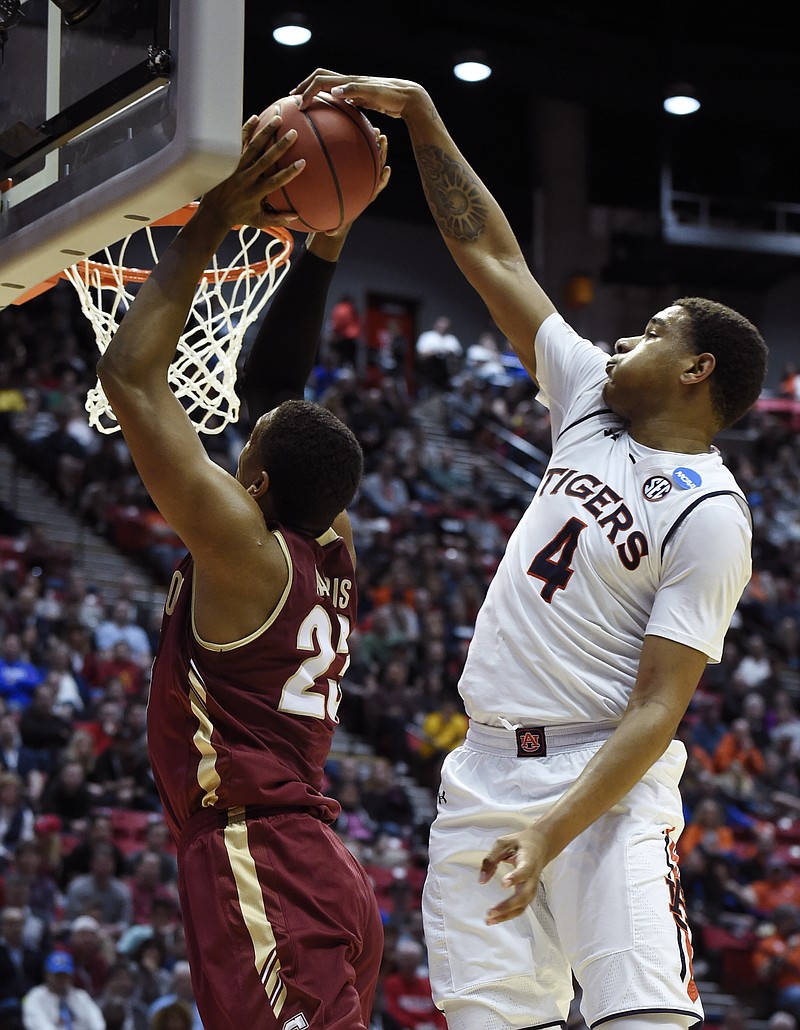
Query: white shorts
609	908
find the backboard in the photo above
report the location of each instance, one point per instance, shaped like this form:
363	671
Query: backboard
110	123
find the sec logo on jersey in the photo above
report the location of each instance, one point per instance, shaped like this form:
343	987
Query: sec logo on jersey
656	488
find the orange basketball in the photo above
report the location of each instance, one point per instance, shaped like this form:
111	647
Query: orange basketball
342	157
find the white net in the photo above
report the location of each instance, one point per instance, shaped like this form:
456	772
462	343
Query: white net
228	299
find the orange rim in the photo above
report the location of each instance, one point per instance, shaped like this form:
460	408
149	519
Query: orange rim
109	275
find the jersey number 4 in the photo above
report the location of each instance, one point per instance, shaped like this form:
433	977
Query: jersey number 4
553	564
301	692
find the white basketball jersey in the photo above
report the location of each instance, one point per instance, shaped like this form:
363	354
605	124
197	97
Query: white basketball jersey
620	541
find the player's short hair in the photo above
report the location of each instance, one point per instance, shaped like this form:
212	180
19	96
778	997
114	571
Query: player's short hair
314	463
740	353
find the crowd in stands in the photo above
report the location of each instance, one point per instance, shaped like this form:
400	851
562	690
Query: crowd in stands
88	909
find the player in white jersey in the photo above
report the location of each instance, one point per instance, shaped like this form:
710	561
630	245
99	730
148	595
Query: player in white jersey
616	589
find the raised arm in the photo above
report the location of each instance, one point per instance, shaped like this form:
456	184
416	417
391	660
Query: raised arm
209	510
282	356
471	222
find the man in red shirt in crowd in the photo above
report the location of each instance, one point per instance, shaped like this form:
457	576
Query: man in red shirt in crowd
407	993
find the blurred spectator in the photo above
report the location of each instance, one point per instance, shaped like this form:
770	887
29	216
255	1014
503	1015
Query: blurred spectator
148	952
707	831
407	992
446	477
21	967
345	331
90	954
737	760
443	729
98	829
484	531
157	839
485	359
119	664
755	666
100	893
439	356
121	626
779	888
71	693
385	489
81	749
401	617
387	801
180	991
43	732
379	640
35	931
120	992
464	405
18	675
16	817
777	960
122	772
784	732
147	886
11	397
177	1015
12	758
354	822
57	1003
754	712
789	385
67	795
41	888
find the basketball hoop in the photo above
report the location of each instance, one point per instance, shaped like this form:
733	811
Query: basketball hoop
228	299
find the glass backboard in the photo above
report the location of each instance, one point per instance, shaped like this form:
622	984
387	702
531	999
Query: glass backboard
110	123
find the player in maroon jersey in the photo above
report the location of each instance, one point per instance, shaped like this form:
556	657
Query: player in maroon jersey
281	924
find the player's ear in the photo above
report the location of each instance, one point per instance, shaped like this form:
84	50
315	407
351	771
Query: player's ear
260	484
702	367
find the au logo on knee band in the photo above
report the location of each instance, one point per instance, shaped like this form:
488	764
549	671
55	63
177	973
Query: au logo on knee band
531	742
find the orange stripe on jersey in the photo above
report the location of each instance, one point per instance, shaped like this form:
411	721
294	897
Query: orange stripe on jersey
677	906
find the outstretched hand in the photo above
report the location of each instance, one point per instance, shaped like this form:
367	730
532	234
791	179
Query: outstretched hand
392	97
525	851
237	199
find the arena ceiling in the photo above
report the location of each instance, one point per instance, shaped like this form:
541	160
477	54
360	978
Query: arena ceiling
615	60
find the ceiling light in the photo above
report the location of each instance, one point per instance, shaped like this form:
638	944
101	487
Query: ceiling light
291	30
472	66
680	99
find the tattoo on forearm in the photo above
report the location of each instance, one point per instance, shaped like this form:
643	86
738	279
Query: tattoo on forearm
454	196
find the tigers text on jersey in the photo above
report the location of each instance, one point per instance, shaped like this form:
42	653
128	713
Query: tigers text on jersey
620	541
251	722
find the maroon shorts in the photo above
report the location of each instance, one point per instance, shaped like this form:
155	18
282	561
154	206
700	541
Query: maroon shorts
281	923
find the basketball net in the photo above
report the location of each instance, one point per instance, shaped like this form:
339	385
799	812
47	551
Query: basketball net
228	299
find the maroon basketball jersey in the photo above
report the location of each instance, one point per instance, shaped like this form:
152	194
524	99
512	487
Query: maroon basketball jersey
251	723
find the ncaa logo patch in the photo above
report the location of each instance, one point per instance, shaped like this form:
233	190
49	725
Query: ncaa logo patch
656	488
686	479
530	742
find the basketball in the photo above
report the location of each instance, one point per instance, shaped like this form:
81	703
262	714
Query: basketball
342	162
